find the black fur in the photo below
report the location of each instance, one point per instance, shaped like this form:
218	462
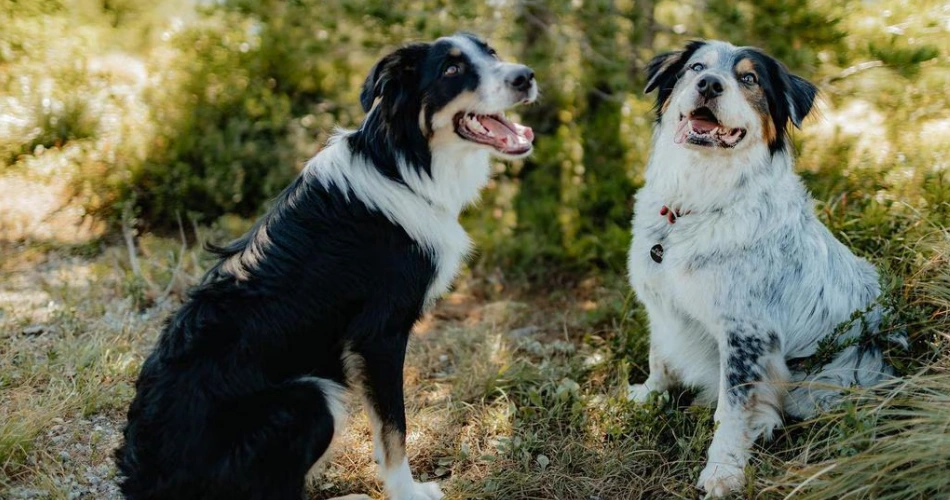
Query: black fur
744	366
665	69
406	82
224	408
790	96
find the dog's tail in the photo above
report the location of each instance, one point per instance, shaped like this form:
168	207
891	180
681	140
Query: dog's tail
851	357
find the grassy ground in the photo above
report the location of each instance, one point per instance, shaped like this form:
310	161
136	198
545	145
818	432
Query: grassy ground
513	391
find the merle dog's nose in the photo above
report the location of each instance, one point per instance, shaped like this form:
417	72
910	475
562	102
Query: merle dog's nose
709	86
520	78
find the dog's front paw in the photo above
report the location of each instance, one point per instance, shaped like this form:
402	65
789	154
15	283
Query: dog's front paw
718	480
419	491
638	393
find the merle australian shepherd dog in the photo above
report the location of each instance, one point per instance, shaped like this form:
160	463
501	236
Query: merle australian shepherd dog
740	280
242	394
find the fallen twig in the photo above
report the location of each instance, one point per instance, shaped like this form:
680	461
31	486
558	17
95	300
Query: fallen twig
181	260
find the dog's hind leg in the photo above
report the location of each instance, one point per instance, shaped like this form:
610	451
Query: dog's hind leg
753	375
276	436
379	366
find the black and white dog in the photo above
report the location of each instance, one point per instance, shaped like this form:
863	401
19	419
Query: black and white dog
737	274
243	393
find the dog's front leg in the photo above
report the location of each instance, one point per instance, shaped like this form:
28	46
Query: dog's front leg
751	385
382	385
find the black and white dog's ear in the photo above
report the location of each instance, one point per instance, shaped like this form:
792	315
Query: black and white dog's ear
368	92
664	69
800	94
395	70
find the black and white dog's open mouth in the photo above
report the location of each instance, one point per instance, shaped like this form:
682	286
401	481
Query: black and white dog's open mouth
495	131
702	128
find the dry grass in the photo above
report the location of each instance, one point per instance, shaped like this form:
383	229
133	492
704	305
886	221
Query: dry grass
511	394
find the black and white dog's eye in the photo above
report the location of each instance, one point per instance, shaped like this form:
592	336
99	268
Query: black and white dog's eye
749	78
697	67
452	70
493	53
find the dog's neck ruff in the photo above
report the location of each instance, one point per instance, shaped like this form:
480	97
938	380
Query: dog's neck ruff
683	176
425	205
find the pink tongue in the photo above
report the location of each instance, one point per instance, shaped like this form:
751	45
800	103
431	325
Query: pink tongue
679	137
685	126
702	126
519	139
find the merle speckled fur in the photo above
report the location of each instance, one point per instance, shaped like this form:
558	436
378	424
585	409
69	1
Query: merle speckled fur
750	278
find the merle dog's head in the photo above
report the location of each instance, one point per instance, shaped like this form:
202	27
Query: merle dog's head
449	94
724	97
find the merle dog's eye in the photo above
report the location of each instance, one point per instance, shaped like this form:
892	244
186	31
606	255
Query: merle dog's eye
452	70
749	78
493	53
697	66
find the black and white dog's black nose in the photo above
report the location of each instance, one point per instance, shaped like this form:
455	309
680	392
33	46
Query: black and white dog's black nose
709	86
520	78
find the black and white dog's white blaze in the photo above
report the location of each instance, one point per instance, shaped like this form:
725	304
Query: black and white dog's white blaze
243	392
746	278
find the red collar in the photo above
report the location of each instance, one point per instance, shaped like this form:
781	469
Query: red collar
673	214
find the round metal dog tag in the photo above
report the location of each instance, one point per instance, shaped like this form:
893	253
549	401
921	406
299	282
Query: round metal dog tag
656	253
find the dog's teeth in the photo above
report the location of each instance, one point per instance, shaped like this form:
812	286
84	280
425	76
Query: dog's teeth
477	126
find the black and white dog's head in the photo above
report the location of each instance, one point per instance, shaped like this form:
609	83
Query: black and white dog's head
722	97
448	95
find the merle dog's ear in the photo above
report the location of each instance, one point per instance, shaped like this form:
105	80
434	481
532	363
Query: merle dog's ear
800	94
395	70
664	69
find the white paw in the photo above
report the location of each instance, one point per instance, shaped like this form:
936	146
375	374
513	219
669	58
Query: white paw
638	393
419	491
718	480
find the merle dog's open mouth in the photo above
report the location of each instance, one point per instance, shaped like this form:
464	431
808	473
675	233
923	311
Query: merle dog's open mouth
495	131
702	128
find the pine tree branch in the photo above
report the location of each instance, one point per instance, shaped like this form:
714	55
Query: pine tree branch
853	70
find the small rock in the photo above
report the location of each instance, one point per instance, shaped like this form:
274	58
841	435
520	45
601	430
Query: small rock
34	330
523	332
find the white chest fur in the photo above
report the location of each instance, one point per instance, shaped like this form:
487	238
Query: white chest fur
427	207
728	205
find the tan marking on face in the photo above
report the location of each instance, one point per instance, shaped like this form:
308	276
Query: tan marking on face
666	104
745	66
757	99
455	52
769	134
422	123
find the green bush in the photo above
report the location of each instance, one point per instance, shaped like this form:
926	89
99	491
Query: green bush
233	98
222	139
